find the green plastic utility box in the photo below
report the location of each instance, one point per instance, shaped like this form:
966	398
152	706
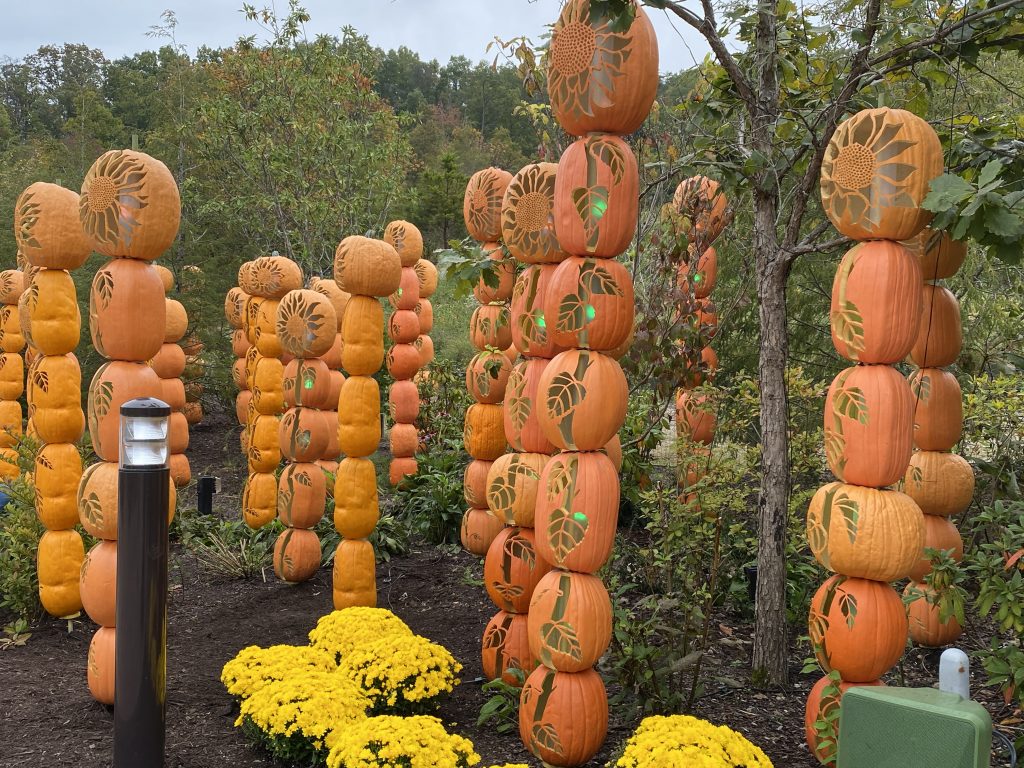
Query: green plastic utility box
912	728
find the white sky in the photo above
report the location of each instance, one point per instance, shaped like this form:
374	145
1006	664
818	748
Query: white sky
436	29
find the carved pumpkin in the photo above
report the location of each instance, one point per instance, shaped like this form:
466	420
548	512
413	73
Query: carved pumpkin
939	254
487	375
12	376
264	449
176	323
129	205
940	483
296	555
305	323
865	532
355	578
700	199
513	481
489	326
869	425
268	386
333	357
596	196
925	623
496	281
506	647
120	331
582	400
474	483
332	291
359	416
10	423
403	360
408	292
577	511
939	415
531	326
425	345
483	432
857	627
876	303
427	274
479	527
876	172
704	273
266	340
114	384
367	267
527	216
11	337
333	450
47	230
58	563
404	402
259	499
563	716
819	706
54	322
939	336
270	277
695	417
512	569
234	306
58	468
570	621
100	665
96	499
303	434
301	495
407	241
362	331
481	204
55	394
601	78
522	405
404	326
425	312
242	402
98	583
307	383
12	285
939	533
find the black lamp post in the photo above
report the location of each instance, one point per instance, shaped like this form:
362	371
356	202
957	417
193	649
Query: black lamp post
140	656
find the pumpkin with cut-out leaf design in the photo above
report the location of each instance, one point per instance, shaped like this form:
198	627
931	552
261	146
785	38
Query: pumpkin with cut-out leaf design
481	204
53	322
47	228
55	397
702	201
512	569
582	400
301	495
478	529
367	267
487	375
563	716
530	323
296	555
528	216
522	407
259	499
408	292
407	241
938	412
941	483
939	254
490	326
497	278
114	384
506	647
512	487
120	331
570	620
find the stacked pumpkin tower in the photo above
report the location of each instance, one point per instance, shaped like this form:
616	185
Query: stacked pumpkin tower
876	171
699	199
12	371
266	280
427	274
602	83
404	358
235	303
169	364
306	329
50	237
368	270
941	482
335	378
490	332
130	211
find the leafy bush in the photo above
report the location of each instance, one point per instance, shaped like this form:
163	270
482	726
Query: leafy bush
20	531
431	502
227	547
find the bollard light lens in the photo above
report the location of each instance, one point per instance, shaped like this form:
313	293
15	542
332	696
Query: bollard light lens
144	433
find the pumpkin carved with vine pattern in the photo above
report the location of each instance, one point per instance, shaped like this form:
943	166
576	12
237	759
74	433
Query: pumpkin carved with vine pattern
481	204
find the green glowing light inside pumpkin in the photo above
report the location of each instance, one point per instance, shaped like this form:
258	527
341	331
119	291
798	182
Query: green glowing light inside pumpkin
598	208
398	292
579	517
698	278
541	322
307	382
590	312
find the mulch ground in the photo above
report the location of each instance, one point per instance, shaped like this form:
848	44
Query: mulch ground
47	717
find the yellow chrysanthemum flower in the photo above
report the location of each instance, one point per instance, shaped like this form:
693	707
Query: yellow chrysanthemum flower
681	741
341	632
414	742
254	667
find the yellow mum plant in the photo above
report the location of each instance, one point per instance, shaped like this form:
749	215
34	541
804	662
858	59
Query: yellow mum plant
254	667
681	741
410	742
402	674
294	718
341	632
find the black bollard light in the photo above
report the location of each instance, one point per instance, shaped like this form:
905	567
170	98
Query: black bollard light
140	655
206	487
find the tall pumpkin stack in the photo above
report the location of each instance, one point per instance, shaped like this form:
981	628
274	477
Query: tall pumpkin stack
512	567
427	274
941	482
12	370
335	378
490	332
266	280
602	83
699	199
876	171
306	329
368	270
235	303
50	237
404	358
130	211
169	364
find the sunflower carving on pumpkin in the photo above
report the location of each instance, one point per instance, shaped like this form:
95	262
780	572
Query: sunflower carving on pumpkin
527	215
876	172
481	206
306	323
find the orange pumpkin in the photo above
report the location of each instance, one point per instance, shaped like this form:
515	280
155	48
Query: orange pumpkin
120	331
333	450
359	416
425	346
706	318
259	499
9	463
234	307
400	468
490	326
939	254
367	267
306	324
356	508
512	569
597	196
506	647
169	363
704	273
939	533
705	369
355	578
613	450
264	451
98	583
582	398
404	326
483	432
58	468
479	527
865	532
296	555
100	665
333	357
193	413
270	277
301	495
403	360
876	303
819	706
404	440
337	297
11	337
252	313
55	397
876	172
12	376
425	312
498	276
407	241
857	627
10	423
114	384
180	469
481	204
527	216
337	382
307	383
577	511
941	483
362	331
869	425
12	285
600	77
404	402
939	415
486	376
96	499
176	323
408	292
265	337
129	205
54	322
939	336
531	326
474	483
47	230
925	622
570	621
172	392
695	417
702	201
513	482
563	716
428	277
522	406
268	386
59	559
242	402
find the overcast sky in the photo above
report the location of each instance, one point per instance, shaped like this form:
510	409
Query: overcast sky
436	29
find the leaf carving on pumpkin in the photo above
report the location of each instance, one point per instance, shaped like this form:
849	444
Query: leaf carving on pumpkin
572	314
921	386
41	380
609	153
850	510
848	607
519	548
848	326
560	637
566	531
591	205
508	591
850	403
544	736
103	288
597	280
564	395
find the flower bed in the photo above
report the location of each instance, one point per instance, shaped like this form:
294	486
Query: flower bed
681	740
